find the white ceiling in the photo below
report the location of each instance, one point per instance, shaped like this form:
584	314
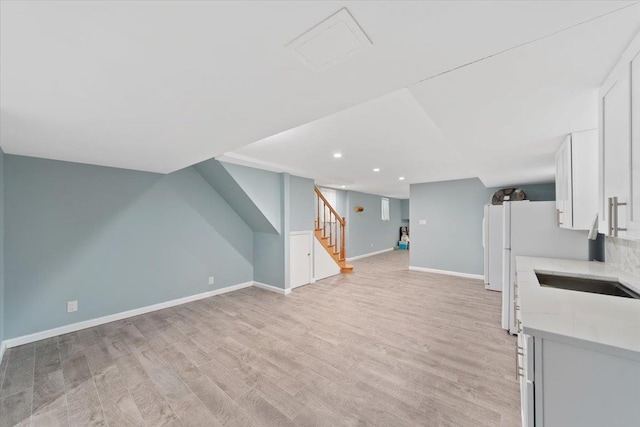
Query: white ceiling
159	86
391	132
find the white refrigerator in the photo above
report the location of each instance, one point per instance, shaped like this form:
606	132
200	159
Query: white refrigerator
531	229
492	228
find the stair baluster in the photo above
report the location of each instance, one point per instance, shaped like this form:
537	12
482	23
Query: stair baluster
334	242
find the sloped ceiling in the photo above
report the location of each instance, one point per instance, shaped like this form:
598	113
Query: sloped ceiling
158	86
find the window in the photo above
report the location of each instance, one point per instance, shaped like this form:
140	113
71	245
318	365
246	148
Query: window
385	209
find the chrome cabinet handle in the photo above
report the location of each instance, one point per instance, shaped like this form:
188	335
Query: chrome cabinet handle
613	216
558	212
519	369
610	217
517	365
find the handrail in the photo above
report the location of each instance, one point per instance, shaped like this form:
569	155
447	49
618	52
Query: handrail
327	204
336	240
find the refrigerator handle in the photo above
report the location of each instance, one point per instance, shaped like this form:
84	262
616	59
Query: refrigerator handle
484	232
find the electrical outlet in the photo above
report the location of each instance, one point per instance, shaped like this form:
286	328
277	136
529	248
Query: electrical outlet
211	280
72	306
422	222
372	245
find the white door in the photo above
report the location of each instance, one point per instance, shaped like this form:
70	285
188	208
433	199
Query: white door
300	259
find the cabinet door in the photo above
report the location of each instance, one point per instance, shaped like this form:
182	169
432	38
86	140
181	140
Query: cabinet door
563	185
634	203
616	133
526	379
584	178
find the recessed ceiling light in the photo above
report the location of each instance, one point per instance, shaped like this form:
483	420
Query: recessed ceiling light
376	169
401	178
337	155
343	186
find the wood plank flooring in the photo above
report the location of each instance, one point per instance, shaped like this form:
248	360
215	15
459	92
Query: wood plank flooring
383	346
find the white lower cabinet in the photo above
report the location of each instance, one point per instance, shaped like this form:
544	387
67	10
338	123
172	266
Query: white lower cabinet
566	384
525	373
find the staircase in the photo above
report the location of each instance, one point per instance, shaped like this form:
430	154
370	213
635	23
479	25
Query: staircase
329	229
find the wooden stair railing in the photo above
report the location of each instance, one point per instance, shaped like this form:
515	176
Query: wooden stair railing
329	229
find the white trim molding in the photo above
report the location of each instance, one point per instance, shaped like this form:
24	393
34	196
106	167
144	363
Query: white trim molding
369	254
297	233
2	349
26	339
272	288
447	272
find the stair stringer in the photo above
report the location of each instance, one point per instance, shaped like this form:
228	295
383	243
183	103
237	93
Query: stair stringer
324	242
323	263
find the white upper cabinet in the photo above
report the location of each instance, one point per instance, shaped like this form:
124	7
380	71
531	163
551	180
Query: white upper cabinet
619	165
577	180
563	185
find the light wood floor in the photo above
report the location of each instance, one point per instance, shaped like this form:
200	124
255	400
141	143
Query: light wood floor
383	346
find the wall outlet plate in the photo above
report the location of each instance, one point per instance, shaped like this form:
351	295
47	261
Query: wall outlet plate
211	281
422	222
72	306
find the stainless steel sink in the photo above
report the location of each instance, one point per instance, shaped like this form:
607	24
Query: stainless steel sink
593	286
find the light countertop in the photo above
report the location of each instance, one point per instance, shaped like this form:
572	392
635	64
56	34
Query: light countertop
603	322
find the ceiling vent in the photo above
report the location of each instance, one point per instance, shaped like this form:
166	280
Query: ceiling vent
334	39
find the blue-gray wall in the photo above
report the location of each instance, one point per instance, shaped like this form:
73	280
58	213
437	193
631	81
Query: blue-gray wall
302	204
1	246
268	267
263	200
270	250
264	189
237	196
112	239
366	232
404	209
452	238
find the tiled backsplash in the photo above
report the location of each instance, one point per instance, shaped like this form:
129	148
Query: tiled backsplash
623	254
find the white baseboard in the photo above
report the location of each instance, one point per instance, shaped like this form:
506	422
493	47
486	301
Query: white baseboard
26	339
272	288
369	254
447	272
2	349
